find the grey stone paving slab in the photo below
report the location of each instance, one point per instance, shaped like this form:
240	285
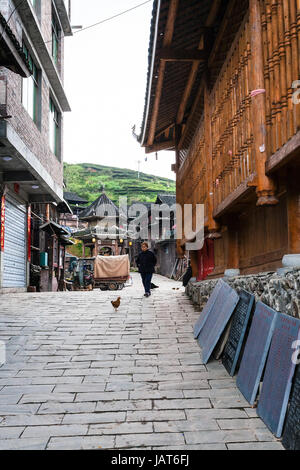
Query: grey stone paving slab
89	418
212	393
80	443
184	403
102	396
10	399
255	446
53	431
186	425
202	437
56	380
121	428
183	385
155	394
6	410
231	402
193	447
31	420
45	397
124	405
23	444
119	385
40	373
66	408
7	432
235	424
154	439
26	389
159	415
216	413
15	381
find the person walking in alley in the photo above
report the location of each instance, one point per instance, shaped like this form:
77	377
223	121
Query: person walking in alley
145	262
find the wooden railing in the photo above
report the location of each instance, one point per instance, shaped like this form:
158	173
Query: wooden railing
192	175
233	160
281	32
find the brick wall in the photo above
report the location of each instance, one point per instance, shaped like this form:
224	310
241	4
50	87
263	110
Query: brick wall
36	137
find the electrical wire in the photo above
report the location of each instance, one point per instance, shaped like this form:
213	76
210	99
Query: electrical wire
113	17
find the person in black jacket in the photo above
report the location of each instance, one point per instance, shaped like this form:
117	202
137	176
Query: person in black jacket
146	261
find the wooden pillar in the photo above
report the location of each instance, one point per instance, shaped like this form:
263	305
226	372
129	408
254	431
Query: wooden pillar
293	208
265	186
47	212
213	226
179	194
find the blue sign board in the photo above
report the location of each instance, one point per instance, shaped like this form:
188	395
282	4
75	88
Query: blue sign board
280	368
221	286
240	320
216	321
256	350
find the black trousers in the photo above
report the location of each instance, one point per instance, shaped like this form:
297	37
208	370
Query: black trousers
146	278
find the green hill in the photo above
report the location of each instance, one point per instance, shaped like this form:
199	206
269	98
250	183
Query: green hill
88	181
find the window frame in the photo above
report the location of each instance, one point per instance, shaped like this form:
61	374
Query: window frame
35	79
54	124
55	37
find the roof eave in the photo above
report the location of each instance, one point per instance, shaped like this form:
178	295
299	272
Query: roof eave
153	52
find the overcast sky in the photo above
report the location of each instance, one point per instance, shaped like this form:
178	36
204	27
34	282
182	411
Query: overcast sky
105	81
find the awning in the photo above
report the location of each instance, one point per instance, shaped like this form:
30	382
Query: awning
64	208
54	228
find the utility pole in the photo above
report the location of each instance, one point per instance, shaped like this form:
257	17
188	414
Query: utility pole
139	166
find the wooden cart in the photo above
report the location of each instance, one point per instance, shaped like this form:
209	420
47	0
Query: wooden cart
111	272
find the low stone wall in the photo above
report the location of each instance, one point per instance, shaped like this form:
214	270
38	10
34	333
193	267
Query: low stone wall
280	292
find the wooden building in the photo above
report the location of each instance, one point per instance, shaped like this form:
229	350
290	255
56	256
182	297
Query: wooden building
222	93
102	234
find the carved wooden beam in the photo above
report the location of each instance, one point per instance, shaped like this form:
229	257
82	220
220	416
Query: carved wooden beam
169	54
168	36
221	31
169	144
193	73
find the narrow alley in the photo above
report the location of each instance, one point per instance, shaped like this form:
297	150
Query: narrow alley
79	375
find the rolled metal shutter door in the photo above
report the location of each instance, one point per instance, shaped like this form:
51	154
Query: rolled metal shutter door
14	256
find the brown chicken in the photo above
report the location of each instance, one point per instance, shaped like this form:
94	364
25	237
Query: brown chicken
116	303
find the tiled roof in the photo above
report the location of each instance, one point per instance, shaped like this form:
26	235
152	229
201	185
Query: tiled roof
69	196
95	209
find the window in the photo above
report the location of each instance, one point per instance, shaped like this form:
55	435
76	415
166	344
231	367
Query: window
30	89
37	7
54	125
55	38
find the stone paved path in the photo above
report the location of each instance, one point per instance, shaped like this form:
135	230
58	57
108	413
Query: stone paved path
80	376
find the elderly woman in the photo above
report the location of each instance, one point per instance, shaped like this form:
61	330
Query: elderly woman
146	262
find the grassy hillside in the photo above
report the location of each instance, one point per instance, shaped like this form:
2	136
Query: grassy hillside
87	180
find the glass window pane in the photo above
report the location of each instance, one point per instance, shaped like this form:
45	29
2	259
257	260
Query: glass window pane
53	128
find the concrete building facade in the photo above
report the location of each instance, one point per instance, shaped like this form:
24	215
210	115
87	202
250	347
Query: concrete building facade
31	127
